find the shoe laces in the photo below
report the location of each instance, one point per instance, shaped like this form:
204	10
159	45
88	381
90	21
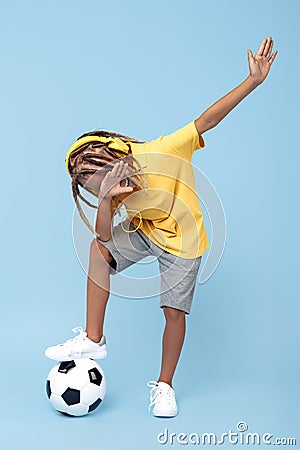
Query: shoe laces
156	393
77	341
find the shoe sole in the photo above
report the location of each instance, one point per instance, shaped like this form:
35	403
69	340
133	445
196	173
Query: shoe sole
83	355
165	414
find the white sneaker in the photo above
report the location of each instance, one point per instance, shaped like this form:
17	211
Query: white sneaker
162	396
78	347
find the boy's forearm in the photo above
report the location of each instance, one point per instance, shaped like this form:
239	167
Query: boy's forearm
215	113
104	219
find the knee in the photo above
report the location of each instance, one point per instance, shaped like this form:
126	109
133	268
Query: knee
173	314
99	253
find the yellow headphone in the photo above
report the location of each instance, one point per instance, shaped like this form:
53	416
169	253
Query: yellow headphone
115	143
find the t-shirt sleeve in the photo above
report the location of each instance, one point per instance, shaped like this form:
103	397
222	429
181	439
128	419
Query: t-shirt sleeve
184	141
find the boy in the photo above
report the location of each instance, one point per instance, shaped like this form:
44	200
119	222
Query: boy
167	223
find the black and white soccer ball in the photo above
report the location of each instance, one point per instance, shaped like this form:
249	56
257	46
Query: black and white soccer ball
76	387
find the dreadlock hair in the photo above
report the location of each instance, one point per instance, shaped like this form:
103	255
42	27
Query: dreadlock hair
101	158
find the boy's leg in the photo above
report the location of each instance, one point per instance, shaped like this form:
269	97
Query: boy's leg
124	249
106	258
178	279
97	296
172	342
98	284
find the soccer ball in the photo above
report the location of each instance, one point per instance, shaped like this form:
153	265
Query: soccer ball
76	387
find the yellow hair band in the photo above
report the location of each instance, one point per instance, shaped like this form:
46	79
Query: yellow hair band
115	143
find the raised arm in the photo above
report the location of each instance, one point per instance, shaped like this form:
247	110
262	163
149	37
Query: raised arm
259	66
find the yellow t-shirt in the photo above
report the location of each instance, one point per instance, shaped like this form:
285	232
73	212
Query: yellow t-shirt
169	207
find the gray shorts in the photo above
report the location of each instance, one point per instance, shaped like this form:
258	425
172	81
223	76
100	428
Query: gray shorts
177	275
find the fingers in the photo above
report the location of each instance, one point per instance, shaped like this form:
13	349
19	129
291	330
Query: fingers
111	183
268	54
261	48
115	176
273	57
250	54
268	50
268	47
265	50
264	47
121	173
119	170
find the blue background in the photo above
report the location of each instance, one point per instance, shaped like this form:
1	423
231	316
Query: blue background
145	69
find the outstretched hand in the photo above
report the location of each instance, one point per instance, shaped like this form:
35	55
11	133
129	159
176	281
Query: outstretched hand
260	64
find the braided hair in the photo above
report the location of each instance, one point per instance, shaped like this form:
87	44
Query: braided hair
96	156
